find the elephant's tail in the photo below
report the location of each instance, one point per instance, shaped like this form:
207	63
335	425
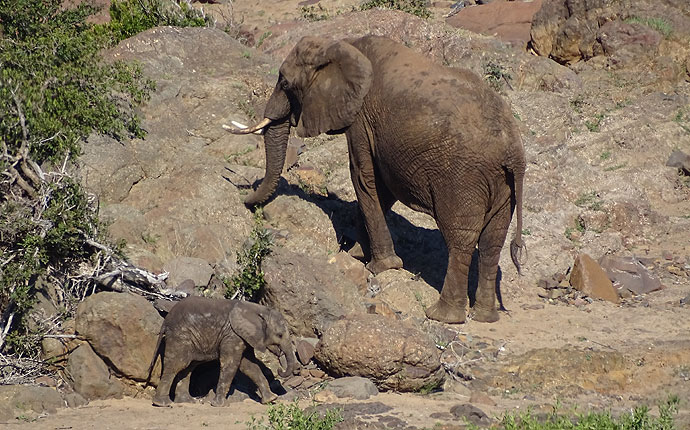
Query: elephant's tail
156	353
517	245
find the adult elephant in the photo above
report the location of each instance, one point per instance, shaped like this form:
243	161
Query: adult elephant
436	138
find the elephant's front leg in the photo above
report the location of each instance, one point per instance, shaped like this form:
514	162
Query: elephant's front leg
251	368
374	201
230	358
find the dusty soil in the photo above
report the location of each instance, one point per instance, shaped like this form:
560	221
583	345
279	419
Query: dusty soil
598	356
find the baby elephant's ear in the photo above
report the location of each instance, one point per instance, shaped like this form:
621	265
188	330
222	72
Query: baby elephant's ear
248	320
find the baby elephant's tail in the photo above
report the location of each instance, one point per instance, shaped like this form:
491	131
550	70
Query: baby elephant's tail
156	353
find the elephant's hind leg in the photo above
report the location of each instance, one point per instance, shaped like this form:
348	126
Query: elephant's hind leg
490	243
173	364
451	307
230	356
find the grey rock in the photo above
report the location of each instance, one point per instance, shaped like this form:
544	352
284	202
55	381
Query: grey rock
90	376
310	295
123	328
394	354
28	401
630	274
471	413
185	273
354	387
679	159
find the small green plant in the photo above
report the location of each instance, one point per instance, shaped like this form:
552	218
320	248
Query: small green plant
594	124
249	282
246	107
495	75
577	103
414	7
658	24
589	200
682	118
430	387
615	167
292	417
605	155
314	13
526	232
263	37
246	54
638	419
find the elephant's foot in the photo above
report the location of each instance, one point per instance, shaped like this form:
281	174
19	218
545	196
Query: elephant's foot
484	315
184	398
269	398
218	401
377	266
442	311
162	401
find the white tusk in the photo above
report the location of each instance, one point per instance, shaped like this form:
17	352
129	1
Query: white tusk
240	128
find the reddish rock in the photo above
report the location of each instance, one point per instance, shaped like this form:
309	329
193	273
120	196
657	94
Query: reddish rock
352	268
509	21
305	351
588	277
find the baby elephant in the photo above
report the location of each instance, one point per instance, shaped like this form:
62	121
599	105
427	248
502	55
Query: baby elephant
199	329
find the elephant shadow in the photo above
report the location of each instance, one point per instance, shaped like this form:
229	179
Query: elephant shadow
423	251
205	376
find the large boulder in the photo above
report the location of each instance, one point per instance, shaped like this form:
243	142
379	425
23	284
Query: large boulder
566	30
90	376
310	295
123	329
394	354
508	21
27	401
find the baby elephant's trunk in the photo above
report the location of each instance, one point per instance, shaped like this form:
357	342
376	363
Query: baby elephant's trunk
291	365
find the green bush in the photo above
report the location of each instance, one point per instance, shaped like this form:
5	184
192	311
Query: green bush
55	90
638	419
130	17
249	281
415	7
291	417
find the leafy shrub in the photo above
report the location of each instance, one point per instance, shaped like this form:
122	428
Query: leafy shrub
130	17
291	417
638	419
249	282
415	7
55	90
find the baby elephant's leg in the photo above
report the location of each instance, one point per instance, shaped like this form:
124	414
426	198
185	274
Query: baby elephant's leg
250	367
230	358
182	393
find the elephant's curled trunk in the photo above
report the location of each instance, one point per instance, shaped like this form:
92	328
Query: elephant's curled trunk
276	140
291	365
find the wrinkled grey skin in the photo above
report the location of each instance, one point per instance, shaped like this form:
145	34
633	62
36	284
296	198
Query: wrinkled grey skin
436	138
199	329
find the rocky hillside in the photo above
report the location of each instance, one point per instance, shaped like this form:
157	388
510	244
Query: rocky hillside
601	91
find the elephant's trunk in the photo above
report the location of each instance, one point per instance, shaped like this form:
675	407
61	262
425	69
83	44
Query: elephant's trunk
276	141
291	365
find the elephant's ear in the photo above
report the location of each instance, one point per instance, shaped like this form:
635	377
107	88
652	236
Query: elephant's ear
335	95
249	322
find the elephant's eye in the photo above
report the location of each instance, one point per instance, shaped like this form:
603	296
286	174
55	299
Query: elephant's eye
284	84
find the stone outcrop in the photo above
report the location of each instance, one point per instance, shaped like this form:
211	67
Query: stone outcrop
121	328
508	21
394	354
90	376
310	295
27	401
